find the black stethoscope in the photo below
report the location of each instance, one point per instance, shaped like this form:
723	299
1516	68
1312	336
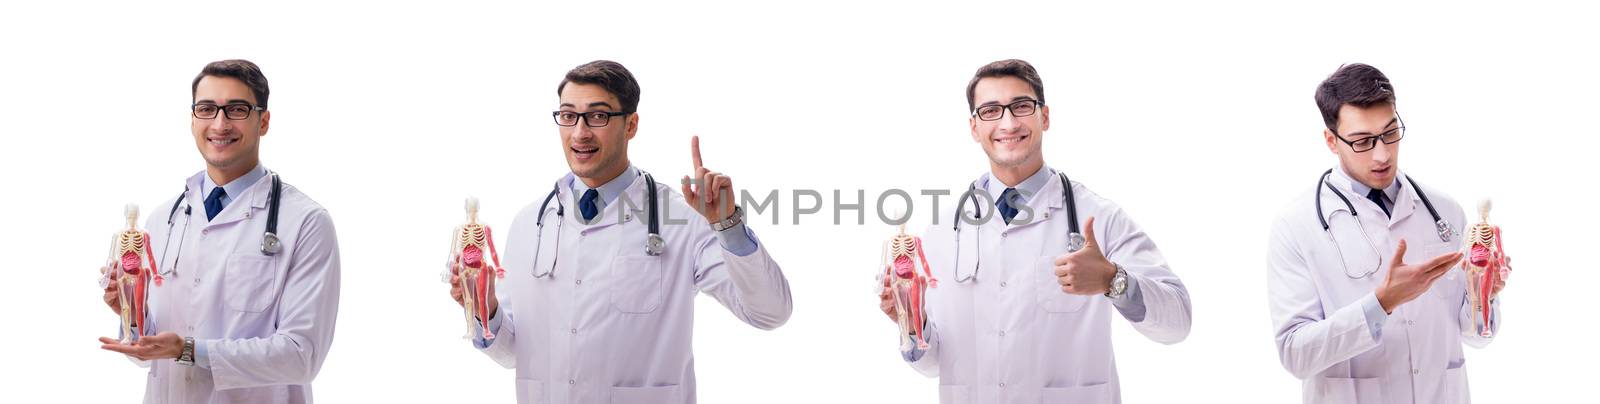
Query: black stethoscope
269	239
653	243
1075	239
1440	225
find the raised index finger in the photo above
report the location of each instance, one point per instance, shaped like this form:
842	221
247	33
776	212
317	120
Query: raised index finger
694	148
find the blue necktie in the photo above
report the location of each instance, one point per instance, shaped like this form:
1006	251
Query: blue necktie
1004	204
1376	196
214	202
587	205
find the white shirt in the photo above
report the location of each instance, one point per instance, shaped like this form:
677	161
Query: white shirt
1009	334
1331	331
612	324
262	324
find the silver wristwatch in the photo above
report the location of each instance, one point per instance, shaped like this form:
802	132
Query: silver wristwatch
1119	283
186	357
732	220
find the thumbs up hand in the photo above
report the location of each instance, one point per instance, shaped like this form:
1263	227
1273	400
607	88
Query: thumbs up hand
1086	271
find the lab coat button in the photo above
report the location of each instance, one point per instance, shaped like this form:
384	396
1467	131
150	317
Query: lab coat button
579	282
570	381
574	331
1002	333
1416	371
1002	284
1002	385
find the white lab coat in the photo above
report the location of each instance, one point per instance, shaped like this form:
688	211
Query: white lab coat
1010	335
613	324
266	321
1323	335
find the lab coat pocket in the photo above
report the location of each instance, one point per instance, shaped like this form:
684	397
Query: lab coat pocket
248	280
954	394
1348	390
530	391
1094	393
1050	296
636	284
1455	384
646	395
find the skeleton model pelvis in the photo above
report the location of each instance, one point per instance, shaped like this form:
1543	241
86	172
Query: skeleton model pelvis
1486	265
477	276
908	287
130	250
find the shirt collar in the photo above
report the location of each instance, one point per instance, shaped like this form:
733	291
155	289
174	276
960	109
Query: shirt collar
1392	191
1026	190
233	188
610	190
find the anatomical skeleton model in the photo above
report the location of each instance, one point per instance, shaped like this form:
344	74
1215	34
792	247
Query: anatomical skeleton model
907	286
476	275
1487	264
130	250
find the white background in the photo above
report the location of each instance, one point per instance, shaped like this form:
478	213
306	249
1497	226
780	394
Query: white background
1197	117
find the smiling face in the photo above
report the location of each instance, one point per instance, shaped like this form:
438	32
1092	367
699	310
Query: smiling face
1014	144
1374	168
596	155
230	147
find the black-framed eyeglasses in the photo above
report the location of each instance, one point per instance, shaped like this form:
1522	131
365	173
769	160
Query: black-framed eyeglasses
1018	109
234	111
593	119
1366	141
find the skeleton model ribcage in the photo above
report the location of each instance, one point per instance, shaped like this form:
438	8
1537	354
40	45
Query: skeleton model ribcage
908	287
477	276
1486	265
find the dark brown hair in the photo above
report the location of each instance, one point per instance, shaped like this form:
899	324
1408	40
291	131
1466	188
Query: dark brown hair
609	75
1007	68
239	69
1358	85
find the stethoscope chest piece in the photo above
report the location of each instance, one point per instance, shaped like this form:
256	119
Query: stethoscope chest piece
1075	242
270	244
654	245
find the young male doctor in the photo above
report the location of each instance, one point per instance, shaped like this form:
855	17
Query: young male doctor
599	308
246	311
1365	303
1023	309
